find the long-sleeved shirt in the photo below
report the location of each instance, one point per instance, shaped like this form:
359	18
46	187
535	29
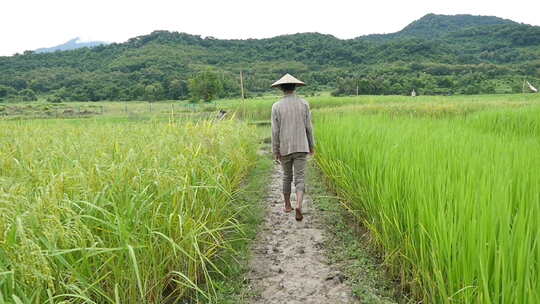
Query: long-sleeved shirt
292	130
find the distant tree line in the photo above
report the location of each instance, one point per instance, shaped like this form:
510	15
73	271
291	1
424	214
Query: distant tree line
488	58
428	84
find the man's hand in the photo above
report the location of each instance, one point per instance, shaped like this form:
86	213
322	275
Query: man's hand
277	158
312	152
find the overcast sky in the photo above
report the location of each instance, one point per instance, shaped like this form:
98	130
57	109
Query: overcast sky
31	24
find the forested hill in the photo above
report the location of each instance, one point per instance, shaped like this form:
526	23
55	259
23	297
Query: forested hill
436	54
435	26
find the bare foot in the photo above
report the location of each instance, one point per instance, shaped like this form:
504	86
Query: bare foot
299	217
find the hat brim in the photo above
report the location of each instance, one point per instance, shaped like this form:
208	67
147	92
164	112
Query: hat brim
295	83
288	79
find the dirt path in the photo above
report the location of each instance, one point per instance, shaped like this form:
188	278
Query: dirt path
289	263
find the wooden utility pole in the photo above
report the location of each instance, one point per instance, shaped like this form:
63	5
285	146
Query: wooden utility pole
243	96
242	85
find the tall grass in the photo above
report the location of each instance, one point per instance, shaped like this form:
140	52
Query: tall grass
116	212
454	202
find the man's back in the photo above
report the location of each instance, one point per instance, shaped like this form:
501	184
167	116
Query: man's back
292	140
291	126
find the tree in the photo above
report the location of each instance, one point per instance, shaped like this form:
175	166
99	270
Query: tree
39	85
345	86
112	92
63	93
137	92
28	95
205	85
6	91
19	84
153	92
177	89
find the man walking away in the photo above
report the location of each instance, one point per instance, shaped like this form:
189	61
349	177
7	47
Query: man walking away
292	139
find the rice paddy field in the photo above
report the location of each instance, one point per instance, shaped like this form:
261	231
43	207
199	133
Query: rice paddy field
138	205
258	109
129	109
93	211
453	201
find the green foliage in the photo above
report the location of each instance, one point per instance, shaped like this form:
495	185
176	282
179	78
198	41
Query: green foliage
451	201
6	91
205	86
153	92
28	95
55	98
434	55
118	211
177	89
433	26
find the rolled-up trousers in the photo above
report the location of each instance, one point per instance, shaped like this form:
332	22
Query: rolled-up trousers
294	165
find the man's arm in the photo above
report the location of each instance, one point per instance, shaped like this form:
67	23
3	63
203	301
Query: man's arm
275	133
309	131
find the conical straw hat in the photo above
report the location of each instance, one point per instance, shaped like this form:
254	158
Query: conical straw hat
287	78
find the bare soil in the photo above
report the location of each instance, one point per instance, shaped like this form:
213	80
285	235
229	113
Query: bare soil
289	263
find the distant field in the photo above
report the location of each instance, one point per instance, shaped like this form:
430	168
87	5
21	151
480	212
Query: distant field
257	108
31	110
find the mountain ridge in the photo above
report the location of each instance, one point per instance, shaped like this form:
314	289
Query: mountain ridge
415	29
71	44
436	25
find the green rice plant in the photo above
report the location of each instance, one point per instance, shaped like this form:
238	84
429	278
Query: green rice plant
518	122
117	212
260	108
452	202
